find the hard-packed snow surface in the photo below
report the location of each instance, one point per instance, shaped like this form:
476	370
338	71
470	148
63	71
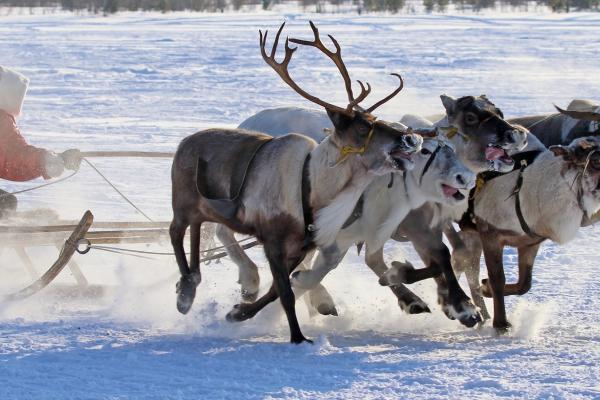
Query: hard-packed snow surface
144	81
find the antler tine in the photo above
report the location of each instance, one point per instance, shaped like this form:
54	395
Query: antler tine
276	42
390	96
335	56
364	92
282	71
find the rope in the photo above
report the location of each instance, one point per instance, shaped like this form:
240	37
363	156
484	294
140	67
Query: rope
136	253
40	186
117	190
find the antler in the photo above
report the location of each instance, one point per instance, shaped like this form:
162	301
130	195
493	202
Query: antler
584	115
336	57
388	97
282	68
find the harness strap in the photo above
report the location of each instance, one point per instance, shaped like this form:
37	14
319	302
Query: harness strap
524	226
452	131
345	151
309	228
430	161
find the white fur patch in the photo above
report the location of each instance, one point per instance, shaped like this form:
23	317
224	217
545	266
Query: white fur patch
330	218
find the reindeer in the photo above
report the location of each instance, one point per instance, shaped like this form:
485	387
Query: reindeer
289	192
581	118
545	199
477	127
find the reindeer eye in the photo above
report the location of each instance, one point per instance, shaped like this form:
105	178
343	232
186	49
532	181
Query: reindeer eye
425	151
471	119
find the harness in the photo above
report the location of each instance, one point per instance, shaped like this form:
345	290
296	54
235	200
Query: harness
346	151
452	131
227	207
430	160
522	161
524	226
307	211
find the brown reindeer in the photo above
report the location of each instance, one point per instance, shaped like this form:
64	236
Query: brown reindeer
289	192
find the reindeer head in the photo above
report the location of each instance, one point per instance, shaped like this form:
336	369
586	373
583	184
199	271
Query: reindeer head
489	139
582	157
382	148
588	115
440	174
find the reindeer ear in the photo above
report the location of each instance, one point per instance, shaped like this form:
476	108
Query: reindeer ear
449	104
340	120
561	151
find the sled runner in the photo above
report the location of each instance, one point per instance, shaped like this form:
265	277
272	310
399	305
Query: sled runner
72	237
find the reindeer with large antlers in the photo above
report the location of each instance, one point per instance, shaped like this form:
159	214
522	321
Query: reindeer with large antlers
289	192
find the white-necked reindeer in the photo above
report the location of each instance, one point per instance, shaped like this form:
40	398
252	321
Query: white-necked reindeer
483	139
273	188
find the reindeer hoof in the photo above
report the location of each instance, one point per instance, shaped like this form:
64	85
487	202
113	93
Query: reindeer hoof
397	274
300	339
238	314
465	312
415	307
327	309
186	292
503	329
485	289
249	297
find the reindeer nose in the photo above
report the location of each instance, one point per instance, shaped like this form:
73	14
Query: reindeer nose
460	179
412	141
465	180
516	136
510	136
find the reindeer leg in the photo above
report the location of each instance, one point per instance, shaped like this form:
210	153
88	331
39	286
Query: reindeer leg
327	260
407	300
436	256
466	258
282	261
186	287
247	270
526	259
492	252
318	300
244	311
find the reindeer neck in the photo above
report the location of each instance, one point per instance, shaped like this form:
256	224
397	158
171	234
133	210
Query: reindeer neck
336	187
410	188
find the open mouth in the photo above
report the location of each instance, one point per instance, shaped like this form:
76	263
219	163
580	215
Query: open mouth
401	157
494	152
452	192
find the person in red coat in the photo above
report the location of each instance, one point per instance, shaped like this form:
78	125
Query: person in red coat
20	161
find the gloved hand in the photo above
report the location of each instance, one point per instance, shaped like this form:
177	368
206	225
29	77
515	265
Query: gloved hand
72	159
54	166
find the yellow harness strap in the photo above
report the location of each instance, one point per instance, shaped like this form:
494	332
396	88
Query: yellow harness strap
479	183
453	131
347	150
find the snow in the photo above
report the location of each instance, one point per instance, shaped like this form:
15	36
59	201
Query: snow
144	81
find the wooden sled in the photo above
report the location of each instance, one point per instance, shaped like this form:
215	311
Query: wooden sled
80	237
